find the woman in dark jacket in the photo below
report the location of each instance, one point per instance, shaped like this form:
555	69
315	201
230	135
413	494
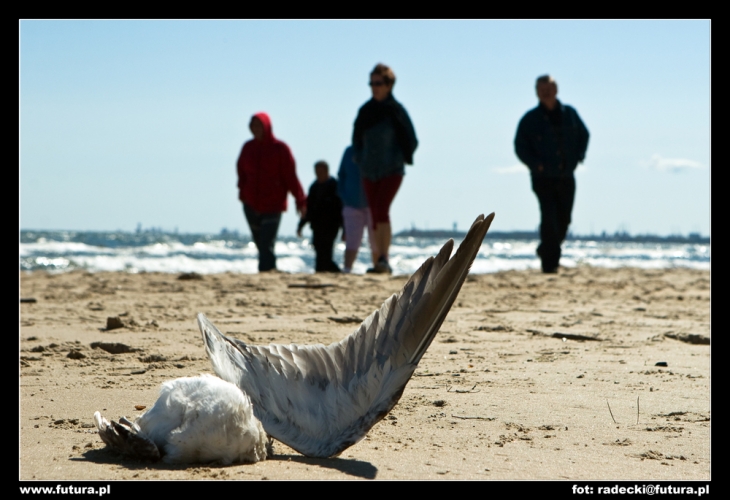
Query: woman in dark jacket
383	142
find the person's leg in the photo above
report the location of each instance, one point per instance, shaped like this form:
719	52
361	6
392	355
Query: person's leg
331	236
565	199
375	228
371	194
323	240
549	249
252	217
390	186
383	238
254	223
371	235
267	239
317	243
354	221
380	196
350	257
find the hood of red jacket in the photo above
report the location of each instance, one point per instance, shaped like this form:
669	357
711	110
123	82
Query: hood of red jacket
266	121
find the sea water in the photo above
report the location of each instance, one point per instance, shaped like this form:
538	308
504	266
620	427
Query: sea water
61	251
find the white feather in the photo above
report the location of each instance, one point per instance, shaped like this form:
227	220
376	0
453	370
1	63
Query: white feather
195	419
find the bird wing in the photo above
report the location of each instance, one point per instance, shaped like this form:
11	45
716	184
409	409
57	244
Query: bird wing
319	400
126	437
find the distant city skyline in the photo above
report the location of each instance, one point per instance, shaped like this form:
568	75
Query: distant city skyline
141	122
235	233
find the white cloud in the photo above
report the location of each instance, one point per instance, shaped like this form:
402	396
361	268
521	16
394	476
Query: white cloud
670	164
517	168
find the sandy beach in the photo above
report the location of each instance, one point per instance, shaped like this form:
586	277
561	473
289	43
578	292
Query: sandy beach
593	373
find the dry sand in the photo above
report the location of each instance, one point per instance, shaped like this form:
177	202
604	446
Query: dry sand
517	384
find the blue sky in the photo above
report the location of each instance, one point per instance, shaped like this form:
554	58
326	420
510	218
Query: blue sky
129	122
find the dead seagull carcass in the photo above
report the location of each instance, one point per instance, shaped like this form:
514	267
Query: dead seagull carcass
195	419
318	400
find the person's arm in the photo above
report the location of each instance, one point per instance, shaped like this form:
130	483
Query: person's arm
342	173
411	135
357	139
239	169
524	148
291	181
302	222
338	205
582	139
305	215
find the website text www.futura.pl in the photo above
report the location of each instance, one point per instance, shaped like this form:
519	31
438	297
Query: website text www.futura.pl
65	490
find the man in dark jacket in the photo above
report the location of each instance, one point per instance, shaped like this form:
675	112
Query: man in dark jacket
324	213
551	140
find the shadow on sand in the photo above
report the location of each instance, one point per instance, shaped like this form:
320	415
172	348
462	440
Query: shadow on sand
356	468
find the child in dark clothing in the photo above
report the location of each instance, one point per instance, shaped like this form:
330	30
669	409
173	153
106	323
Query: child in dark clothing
324	214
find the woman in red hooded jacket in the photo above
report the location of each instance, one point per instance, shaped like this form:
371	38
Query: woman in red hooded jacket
266	173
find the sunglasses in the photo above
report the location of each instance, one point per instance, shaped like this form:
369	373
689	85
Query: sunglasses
376	84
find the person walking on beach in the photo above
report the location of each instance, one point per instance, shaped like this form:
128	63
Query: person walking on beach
266	173
355	210
551	140
383	142
324	214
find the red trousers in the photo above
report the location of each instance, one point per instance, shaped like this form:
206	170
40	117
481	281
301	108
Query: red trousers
380	195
